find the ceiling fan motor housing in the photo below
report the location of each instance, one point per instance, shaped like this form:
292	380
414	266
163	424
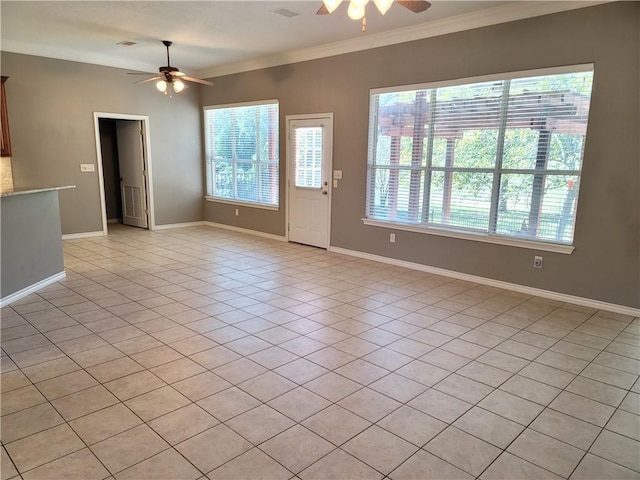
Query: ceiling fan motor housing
168	73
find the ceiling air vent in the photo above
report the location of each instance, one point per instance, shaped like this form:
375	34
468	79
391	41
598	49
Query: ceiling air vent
285	13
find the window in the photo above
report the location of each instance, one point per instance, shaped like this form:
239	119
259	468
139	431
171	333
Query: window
241	143
308	156
499	157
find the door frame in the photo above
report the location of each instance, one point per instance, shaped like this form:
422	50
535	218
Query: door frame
310	116
144	119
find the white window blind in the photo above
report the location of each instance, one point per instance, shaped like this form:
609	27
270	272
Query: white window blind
308	156
241	143
501	156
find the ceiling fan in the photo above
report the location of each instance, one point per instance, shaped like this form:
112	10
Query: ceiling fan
170	77
356	9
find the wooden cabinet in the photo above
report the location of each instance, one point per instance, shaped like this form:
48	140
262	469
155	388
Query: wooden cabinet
6	139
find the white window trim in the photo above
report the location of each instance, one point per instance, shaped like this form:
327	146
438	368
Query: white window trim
234	201
584	67
242	104
230	201
477	237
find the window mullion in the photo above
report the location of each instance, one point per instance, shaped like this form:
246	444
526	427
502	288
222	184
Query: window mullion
234	158
258	157
373	146
463	169
537	192
497	175
211	156
417	150
427	170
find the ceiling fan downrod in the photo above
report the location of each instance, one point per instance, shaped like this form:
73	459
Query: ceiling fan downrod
167	44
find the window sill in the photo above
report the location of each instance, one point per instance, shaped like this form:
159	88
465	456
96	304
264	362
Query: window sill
243	204
477	237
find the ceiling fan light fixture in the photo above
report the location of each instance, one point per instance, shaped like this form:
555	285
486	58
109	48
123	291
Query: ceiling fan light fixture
170	79
383	5
355	12
331	4
178	85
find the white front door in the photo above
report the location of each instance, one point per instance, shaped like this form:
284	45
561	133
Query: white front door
310	151
132	173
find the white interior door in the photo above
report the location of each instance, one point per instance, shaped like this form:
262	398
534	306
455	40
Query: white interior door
132	173
310	150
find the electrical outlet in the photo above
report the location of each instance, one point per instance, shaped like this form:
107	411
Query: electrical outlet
537	262
237	212
392	237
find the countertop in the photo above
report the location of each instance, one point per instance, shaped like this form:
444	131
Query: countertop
28	190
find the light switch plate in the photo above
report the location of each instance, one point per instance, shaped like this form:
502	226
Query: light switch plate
337	174
87	167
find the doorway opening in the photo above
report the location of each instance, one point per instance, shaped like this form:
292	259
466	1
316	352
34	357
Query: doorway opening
124	170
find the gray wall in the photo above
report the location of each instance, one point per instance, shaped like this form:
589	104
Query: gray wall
51	104
31	243
605	263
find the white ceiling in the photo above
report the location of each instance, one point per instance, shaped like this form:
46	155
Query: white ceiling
217	37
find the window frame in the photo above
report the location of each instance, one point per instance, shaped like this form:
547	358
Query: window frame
209	162
316	173
454	231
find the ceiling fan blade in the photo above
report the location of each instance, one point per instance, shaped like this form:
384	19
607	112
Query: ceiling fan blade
140	73
195	80
150	79
416	6
323	10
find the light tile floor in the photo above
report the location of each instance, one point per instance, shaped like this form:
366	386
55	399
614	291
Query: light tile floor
200	352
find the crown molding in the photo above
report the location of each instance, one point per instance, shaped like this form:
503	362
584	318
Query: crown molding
517	10
492	16
47	51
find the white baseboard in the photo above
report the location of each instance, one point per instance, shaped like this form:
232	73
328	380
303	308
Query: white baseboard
257	233
169	226
31	289
562	297
76	236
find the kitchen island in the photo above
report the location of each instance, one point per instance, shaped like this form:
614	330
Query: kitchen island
30	241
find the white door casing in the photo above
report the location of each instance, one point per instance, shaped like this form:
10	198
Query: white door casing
309	147
132	173
144	120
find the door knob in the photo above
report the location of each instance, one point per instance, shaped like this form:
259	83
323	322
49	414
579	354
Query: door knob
324	192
